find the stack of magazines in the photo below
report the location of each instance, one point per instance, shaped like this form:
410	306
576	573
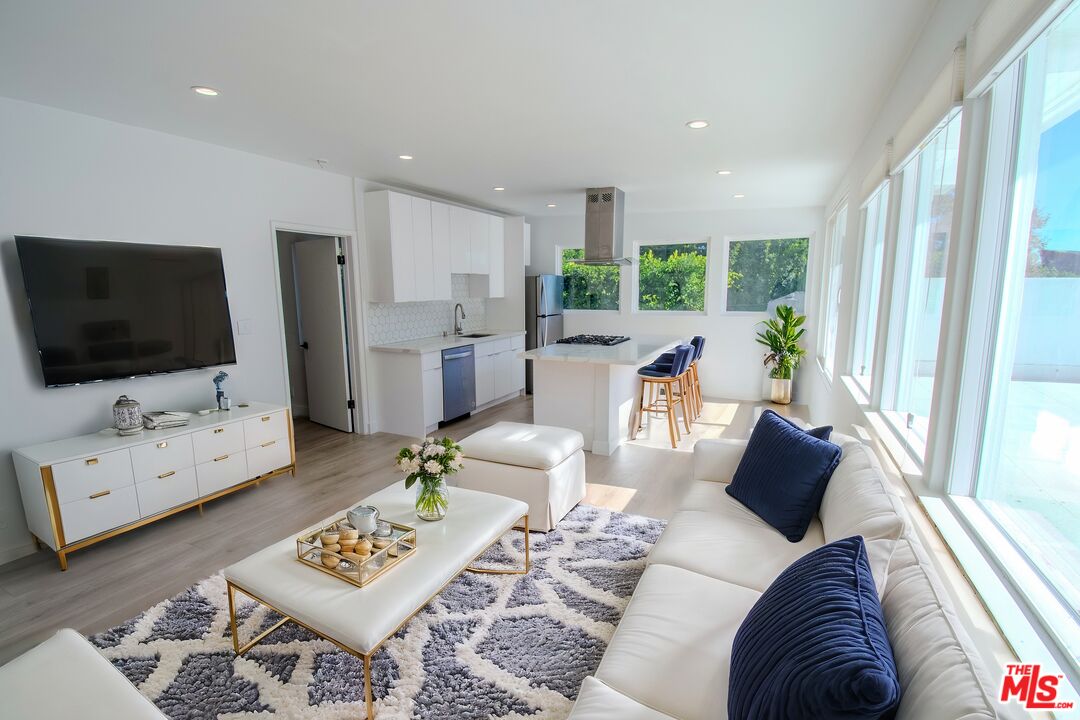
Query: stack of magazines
164	420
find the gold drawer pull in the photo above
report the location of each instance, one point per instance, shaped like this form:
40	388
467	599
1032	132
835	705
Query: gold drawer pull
91	461
268	444
103	493
223	457
265	418
168	474
219	430
163	444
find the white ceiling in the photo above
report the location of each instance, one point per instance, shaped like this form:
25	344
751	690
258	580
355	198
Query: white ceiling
542	97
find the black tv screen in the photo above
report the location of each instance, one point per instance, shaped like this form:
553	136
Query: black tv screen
106	310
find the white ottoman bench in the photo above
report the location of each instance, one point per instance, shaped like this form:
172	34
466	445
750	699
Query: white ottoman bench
539	464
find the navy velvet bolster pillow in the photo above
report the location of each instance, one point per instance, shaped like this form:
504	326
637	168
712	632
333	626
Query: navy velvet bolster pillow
783	473
815	644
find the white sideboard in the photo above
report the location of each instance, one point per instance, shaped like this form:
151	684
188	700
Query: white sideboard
82	490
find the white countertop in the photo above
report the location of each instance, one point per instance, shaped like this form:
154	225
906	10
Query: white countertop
439	343
635	351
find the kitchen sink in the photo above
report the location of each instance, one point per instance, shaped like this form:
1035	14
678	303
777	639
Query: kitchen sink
477	335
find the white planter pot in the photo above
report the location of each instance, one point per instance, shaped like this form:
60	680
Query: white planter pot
780	391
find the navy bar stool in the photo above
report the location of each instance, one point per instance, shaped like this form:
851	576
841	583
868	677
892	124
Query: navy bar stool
664	361
671	381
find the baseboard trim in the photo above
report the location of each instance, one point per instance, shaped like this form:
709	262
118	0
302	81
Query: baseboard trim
12	554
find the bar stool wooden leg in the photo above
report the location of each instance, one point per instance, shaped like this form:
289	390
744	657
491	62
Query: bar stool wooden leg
673	427
686	401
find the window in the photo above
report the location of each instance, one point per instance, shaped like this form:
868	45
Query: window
588	287
1023	350
927	189
874	214
762	274
830	306
672	277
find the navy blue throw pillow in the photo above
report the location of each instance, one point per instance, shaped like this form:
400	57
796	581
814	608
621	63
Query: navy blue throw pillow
815	645
783	474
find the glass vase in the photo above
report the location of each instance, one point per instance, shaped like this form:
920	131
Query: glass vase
432	498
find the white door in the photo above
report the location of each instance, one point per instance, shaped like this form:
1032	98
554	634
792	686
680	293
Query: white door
460	226
441	251
323	336
422	260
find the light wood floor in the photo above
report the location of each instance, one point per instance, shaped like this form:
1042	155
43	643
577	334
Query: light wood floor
117	579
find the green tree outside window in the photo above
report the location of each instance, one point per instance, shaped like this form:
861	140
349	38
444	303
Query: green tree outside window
588	287
672	277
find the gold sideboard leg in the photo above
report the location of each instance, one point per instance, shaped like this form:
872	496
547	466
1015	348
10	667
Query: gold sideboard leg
37	543
62	557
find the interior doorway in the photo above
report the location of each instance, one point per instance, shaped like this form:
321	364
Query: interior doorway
316	323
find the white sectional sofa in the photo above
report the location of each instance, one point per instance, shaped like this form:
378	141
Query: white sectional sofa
670	656
65	678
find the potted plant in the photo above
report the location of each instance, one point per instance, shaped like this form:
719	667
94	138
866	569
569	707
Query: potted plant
428	464
781	335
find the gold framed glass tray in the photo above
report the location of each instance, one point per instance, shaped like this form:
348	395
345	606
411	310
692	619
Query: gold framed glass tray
354	567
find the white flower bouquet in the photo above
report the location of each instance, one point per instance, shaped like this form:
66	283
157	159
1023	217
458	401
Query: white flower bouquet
430	463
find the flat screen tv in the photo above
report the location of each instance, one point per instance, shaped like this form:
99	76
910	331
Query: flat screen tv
107	310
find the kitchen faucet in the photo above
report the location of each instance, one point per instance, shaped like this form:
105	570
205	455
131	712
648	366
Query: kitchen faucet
457	323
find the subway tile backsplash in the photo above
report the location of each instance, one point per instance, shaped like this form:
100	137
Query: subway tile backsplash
397	322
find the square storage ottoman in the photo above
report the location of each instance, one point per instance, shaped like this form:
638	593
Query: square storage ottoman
539	464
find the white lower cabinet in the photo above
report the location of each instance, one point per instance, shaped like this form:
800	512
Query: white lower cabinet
96	514
171	488
222	472
433	395
485	378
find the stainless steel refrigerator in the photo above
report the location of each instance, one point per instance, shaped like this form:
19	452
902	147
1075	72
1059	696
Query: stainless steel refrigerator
543	315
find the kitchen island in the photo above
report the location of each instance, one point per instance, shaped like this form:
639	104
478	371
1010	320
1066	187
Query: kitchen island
592	388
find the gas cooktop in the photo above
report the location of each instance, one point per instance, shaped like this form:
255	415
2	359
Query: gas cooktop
593	340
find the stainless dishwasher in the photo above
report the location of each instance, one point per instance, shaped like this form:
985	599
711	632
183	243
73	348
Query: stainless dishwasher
458	382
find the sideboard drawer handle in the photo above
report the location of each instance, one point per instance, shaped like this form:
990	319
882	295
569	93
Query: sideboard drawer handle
103	493
163	444
168	474
266	418
223	457
91	461
268	444
218	430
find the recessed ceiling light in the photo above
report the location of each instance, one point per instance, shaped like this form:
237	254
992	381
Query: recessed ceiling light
404	157
697	124
203	90
738	196
498	189
723	172
551	204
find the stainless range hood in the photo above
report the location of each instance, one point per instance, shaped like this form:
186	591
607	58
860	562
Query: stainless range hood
604	208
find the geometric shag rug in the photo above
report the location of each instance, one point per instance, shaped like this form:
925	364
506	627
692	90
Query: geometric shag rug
489	646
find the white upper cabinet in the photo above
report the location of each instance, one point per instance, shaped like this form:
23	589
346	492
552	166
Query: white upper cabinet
423	263
441	252
415	244
496	271
479	242
528	245
460	224
407	247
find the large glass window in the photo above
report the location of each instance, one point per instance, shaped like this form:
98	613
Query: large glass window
834	266
765	273
1028	473
873	257
588	287
926	210
672	277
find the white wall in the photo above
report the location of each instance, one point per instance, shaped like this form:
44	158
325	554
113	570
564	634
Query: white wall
731	366
75	176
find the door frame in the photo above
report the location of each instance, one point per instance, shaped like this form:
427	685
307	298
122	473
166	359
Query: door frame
354	316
